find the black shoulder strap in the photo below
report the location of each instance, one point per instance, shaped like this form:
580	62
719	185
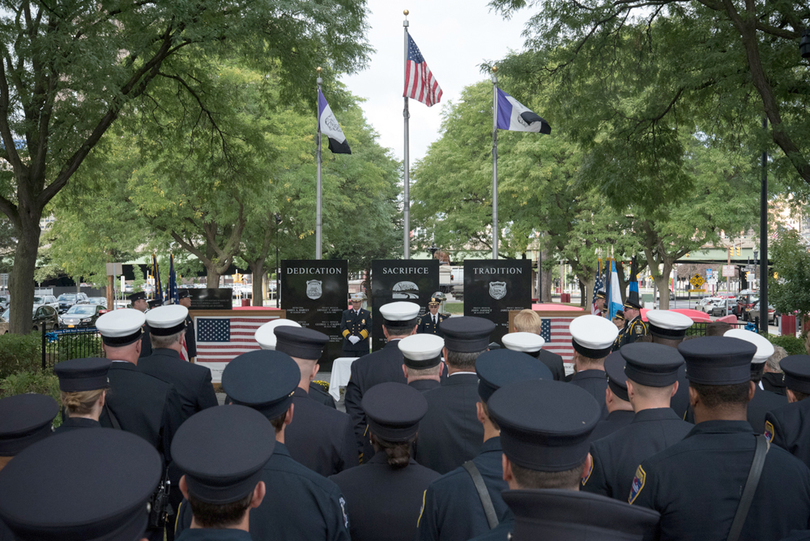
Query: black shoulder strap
113	419
750	487
483	493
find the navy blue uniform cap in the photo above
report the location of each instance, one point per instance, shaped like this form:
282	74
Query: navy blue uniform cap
24	420
88	374
797	372
654	365
264	380
81	485
717	360
616	378
222	451
394	410
300	342
544	424
466	334
499	367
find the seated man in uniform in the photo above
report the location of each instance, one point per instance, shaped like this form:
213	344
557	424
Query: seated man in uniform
422	361
592	337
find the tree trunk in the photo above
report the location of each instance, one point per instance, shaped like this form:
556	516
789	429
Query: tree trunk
257	268
545	279
662	283
211	277
21	282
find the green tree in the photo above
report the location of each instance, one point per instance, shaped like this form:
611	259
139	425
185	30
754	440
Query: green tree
67	73
789	282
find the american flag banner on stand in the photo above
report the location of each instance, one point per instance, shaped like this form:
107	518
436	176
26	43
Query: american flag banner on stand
419	82
220	338
555	332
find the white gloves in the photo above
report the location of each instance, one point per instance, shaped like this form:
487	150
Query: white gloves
354	339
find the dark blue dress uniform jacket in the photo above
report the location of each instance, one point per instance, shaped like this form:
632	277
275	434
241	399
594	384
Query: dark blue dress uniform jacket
632	331
210	534
384	503
76	423
146	342
616	420
426	324
450	433
616	457
554	363
379	367
760	405
424	384
789	428
595	382
191	381
696	486
191	341
452	510
320	437
357	324
299	504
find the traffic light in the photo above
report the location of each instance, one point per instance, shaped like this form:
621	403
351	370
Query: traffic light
739	250
776	276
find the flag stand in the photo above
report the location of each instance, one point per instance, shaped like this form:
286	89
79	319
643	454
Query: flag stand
318	185
494	162
406	204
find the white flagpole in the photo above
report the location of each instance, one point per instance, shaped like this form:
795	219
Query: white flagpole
406	206
494	162
318	189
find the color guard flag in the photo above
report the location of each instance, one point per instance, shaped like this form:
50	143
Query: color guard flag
514	116
419	82
330	127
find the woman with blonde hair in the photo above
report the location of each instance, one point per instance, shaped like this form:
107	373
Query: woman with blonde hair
84	387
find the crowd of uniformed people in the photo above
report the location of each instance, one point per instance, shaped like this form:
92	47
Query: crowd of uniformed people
446	435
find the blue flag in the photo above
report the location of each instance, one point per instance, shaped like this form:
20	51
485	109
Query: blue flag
172	292
330	128
614	300
514	116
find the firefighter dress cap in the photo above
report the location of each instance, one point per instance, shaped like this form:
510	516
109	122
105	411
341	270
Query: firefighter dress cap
121	327
300	342
265	335
668	324
263	380
394	410
24	420
400	314
82	485
167	320
496	368
421	351
717	360
526	342
616	378
466	334
593	336
797	373
87	374
764	346
139	296
654	365
222	451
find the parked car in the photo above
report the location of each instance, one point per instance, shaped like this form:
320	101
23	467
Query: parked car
719	308
754	314
3	326
40	315
5	300
81	315
50	300
101	301
705	303
745	301
66	300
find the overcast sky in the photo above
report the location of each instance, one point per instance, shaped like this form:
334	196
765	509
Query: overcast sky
454	36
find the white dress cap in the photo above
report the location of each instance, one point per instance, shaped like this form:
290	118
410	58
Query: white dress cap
166	317
266	337
593	333
421	347
526	342
120	323
668	324
764	347
399	311
358	296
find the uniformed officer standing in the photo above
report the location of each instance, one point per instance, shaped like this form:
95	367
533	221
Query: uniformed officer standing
422	361
221	452
355	327
184	300
453	508
300	504
83	484
399	321
592	338
138	302
450	433
429	323
620	410
83	384
634	327
384	495
709	468
532	344
320	438
669	328
789	426
651	372
600	306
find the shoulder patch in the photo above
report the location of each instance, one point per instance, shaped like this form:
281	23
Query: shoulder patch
588	474
638	484
638	329
345	514
769	431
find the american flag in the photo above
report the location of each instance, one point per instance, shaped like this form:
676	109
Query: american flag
220	339
419	82
597	285
555	332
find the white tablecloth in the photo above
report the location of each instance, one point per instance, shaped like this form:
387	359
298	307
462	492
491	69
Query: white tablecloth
341	372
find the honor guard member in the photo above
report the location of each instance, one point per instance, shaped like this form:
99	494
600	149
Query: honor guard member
24	420
167	326
593	339
454	509
620	410
545	428
429	323
601	304
450	433
320	438
710	467
84	485
83	387
789	426
634	327
355	325
137	402
266	338
669	329
619	320
300	504
532	344
384	495
773	379
651	372
763	401
138	302
422	361
184	300
399	320
221	452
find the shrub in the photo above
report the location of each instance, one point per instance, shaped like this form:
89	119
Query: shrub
32	381
20	352
793	345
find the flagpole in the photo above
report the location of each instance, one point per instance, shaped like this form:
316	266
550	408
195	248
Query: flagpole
319	187
494	162
407	196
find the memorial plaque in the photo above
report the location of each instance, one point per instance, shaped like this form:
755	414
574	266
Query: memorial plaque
314	293
413	280
493	287
211	299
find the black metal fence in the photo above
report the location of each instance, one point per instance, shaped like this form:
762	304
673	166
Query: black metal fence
699	328
63	344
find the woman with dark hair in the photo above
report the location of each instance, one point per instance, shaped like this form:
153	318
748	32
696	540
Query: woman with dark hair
384	497
84	387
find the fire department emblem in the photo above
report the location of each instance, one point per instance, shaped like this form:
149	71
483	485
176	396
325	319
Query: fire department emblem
314	289
497	290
